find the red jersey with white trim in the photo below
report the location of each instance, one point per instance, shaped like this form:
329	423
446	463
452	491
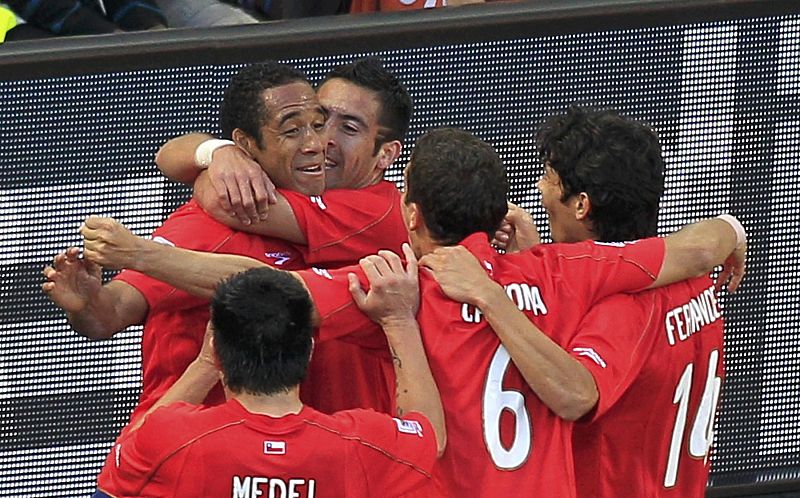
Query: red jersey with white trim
342	226
394	5
176	321
223	451
657	359
501	438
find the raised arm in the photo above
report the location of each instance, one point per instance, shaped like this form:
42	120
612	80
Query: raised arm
94	310
176	158
392	302
560	381
698	248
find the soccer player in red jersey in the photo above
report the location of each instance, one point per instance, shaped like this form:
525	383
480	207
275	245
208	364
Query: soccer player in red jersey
650	361
368	112
501	437
267	106
263	440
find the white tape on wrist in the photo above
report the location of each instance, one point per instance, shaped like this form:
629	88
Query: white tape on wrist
205	151
741	235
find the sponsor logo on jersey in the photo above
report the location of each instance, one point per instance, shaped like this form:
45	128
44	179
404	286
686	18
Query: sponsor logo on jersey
408	426
322	272
161	240
317	200
591	354
274	447
279	258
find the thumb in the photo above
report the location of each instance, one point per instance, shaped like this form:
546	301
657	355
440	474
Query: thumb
359	296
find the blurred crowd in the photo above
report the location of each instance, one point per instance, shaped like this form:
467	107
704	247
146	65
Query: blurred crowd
32	19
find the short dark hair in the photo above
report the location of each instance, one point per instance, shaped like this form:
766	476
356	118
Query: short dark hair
396	103
262	331
459	183
243	104
614	159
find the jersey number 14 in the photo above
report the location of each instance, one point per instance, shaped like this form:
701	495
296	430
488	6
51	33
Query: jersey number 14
702	433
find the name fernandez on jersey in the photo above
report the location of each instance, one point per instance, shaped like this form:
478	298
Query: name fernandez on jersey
526	296
687	319
273	487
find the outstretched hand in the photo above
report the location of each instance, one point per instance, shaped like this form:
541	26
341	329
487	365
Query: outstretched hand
72	281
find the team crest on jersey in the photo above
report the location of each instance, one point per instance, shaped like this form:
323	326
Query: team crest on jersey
274	447
317	199
408	426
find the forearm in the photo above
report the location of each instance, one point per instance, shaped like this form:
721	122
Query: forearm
192	387
695	250
558	379
175	158
111	310
195	272
416	390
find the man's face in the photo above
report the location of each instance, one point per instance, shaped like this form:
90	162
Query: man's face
351	132
563	224
292	153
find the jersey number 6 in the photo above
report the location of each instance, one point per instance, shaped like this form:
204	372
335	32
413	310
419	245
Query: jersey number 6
495	400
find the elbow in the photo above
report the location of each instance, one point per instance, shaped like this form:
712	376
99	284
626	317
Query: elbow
578	405
441	443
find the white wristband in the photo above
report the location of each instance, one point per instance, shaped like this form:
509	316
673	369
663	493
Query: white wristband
205	151
741	235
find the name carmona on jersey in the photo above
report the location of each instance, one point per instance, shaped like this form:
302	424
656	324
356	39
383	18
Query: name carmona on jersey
273	487
686	320
526	296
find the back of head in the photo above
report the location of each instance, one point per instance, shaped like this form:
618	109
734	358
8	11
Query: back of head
458	182
262	331
615	160
396	104
243	104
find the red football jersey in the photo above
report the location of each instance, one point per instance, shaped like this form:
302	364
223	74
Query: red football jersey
223	451
176	321
343	226
501	438
657	360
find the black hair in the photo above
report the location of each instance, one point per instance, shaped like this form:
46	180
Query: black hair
396	105
243	104
615	160
262	331
458	182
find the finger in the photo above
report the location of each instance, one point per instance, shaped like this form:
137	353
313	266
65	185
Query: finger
431	260
736	280
359	296
48	287
248	207
92	267
49	272
370	270
272	194
72	254
260	197
723	278
382	265
393	260
412	268
221	189
235	197
92	222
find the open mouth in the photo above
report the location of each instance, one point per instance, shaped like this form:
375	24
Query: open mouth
330	163
314	168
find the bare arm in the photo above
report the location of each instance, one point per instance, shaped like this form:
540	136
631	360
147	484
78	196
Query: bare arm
110	244
392	302
281	222
698	248
193	385
94	310
236	186
560	381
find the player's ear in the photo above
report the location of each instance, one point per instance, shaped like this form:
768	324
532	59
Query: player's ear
583	206
413	216
388	153
244	141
